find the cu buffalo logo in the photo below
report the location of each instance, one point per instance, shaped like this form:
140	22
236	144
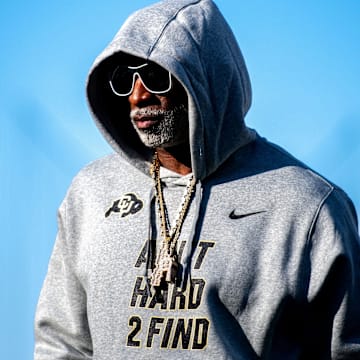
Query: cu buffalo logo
129	204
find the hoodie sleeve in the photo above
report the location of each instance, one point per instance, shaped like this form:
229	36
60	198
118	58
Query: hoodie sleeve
333	326
61	326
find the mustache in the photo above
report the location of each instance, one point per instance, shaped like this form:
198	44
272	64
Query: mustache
151	111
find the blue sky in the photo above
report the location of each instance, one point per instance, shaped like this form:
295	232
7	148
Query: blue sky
304	62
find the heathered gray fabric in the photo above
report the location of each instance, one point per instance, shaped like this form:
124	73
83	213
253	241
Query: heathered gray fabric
282	282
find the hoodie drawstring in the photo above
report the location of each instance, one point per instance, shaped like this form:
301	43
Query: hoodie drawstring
149	240
191	242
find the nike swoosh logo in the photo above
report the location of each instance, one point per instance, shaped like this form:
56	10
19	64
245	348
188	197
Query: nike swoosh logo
234	216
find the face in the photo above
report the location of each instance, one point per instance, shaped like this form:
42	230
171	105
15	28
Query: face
160	120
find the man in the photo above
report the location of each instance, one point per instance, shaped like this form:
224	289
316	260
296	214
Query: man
197	238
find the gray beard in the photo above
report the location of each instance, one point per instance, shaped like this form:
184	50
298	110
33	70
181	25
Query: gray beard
171	130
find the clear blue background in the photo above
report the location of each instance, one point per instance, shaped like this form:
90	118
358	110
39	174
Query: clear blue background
303	58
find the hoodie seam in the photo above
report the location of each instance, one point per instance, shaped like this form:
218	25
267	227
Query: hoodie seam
317	213
162	31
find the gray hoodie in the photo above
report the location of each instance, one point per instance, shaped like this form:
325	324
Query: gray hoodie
269	250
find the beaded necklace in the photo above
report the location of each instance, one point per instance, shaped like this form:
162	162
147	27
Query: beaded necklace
166	263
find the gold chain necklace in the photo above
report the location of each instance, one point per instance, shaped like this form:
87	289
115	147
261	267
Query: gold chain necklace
166	264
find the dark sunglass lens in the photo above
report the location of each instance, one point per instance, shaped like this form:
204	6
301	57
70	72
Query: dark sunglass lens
122	79
156	78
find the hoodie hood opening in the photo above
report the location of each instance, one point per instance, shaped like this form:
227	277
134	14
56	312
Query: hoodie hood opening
192	40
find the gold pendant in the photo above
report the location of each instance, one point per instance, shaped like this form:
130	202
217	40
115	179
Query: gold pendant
166	265
171	271
166	268
156	277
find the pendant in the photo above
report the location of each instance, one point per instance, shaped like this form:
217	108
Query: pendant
166	264
167	267
171	271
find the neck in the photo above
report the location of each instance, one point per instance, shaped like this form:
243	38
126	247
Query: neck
176	158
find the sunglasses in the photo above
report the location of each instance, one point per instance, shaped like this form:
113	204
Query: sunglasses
154	78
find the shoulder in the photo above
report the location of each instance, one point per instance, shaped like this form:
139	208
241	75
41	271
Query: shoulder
265	173
106	169
104	176
286	173
101	166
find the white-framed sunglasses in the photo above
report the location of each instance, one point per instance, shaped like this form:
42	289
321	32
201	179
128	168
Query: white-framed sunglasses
155	79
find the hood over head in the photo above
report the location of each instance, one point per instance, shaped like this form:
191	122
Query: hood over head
192	40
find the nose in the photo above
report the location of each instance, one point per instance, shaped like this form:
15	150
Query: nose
139	94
